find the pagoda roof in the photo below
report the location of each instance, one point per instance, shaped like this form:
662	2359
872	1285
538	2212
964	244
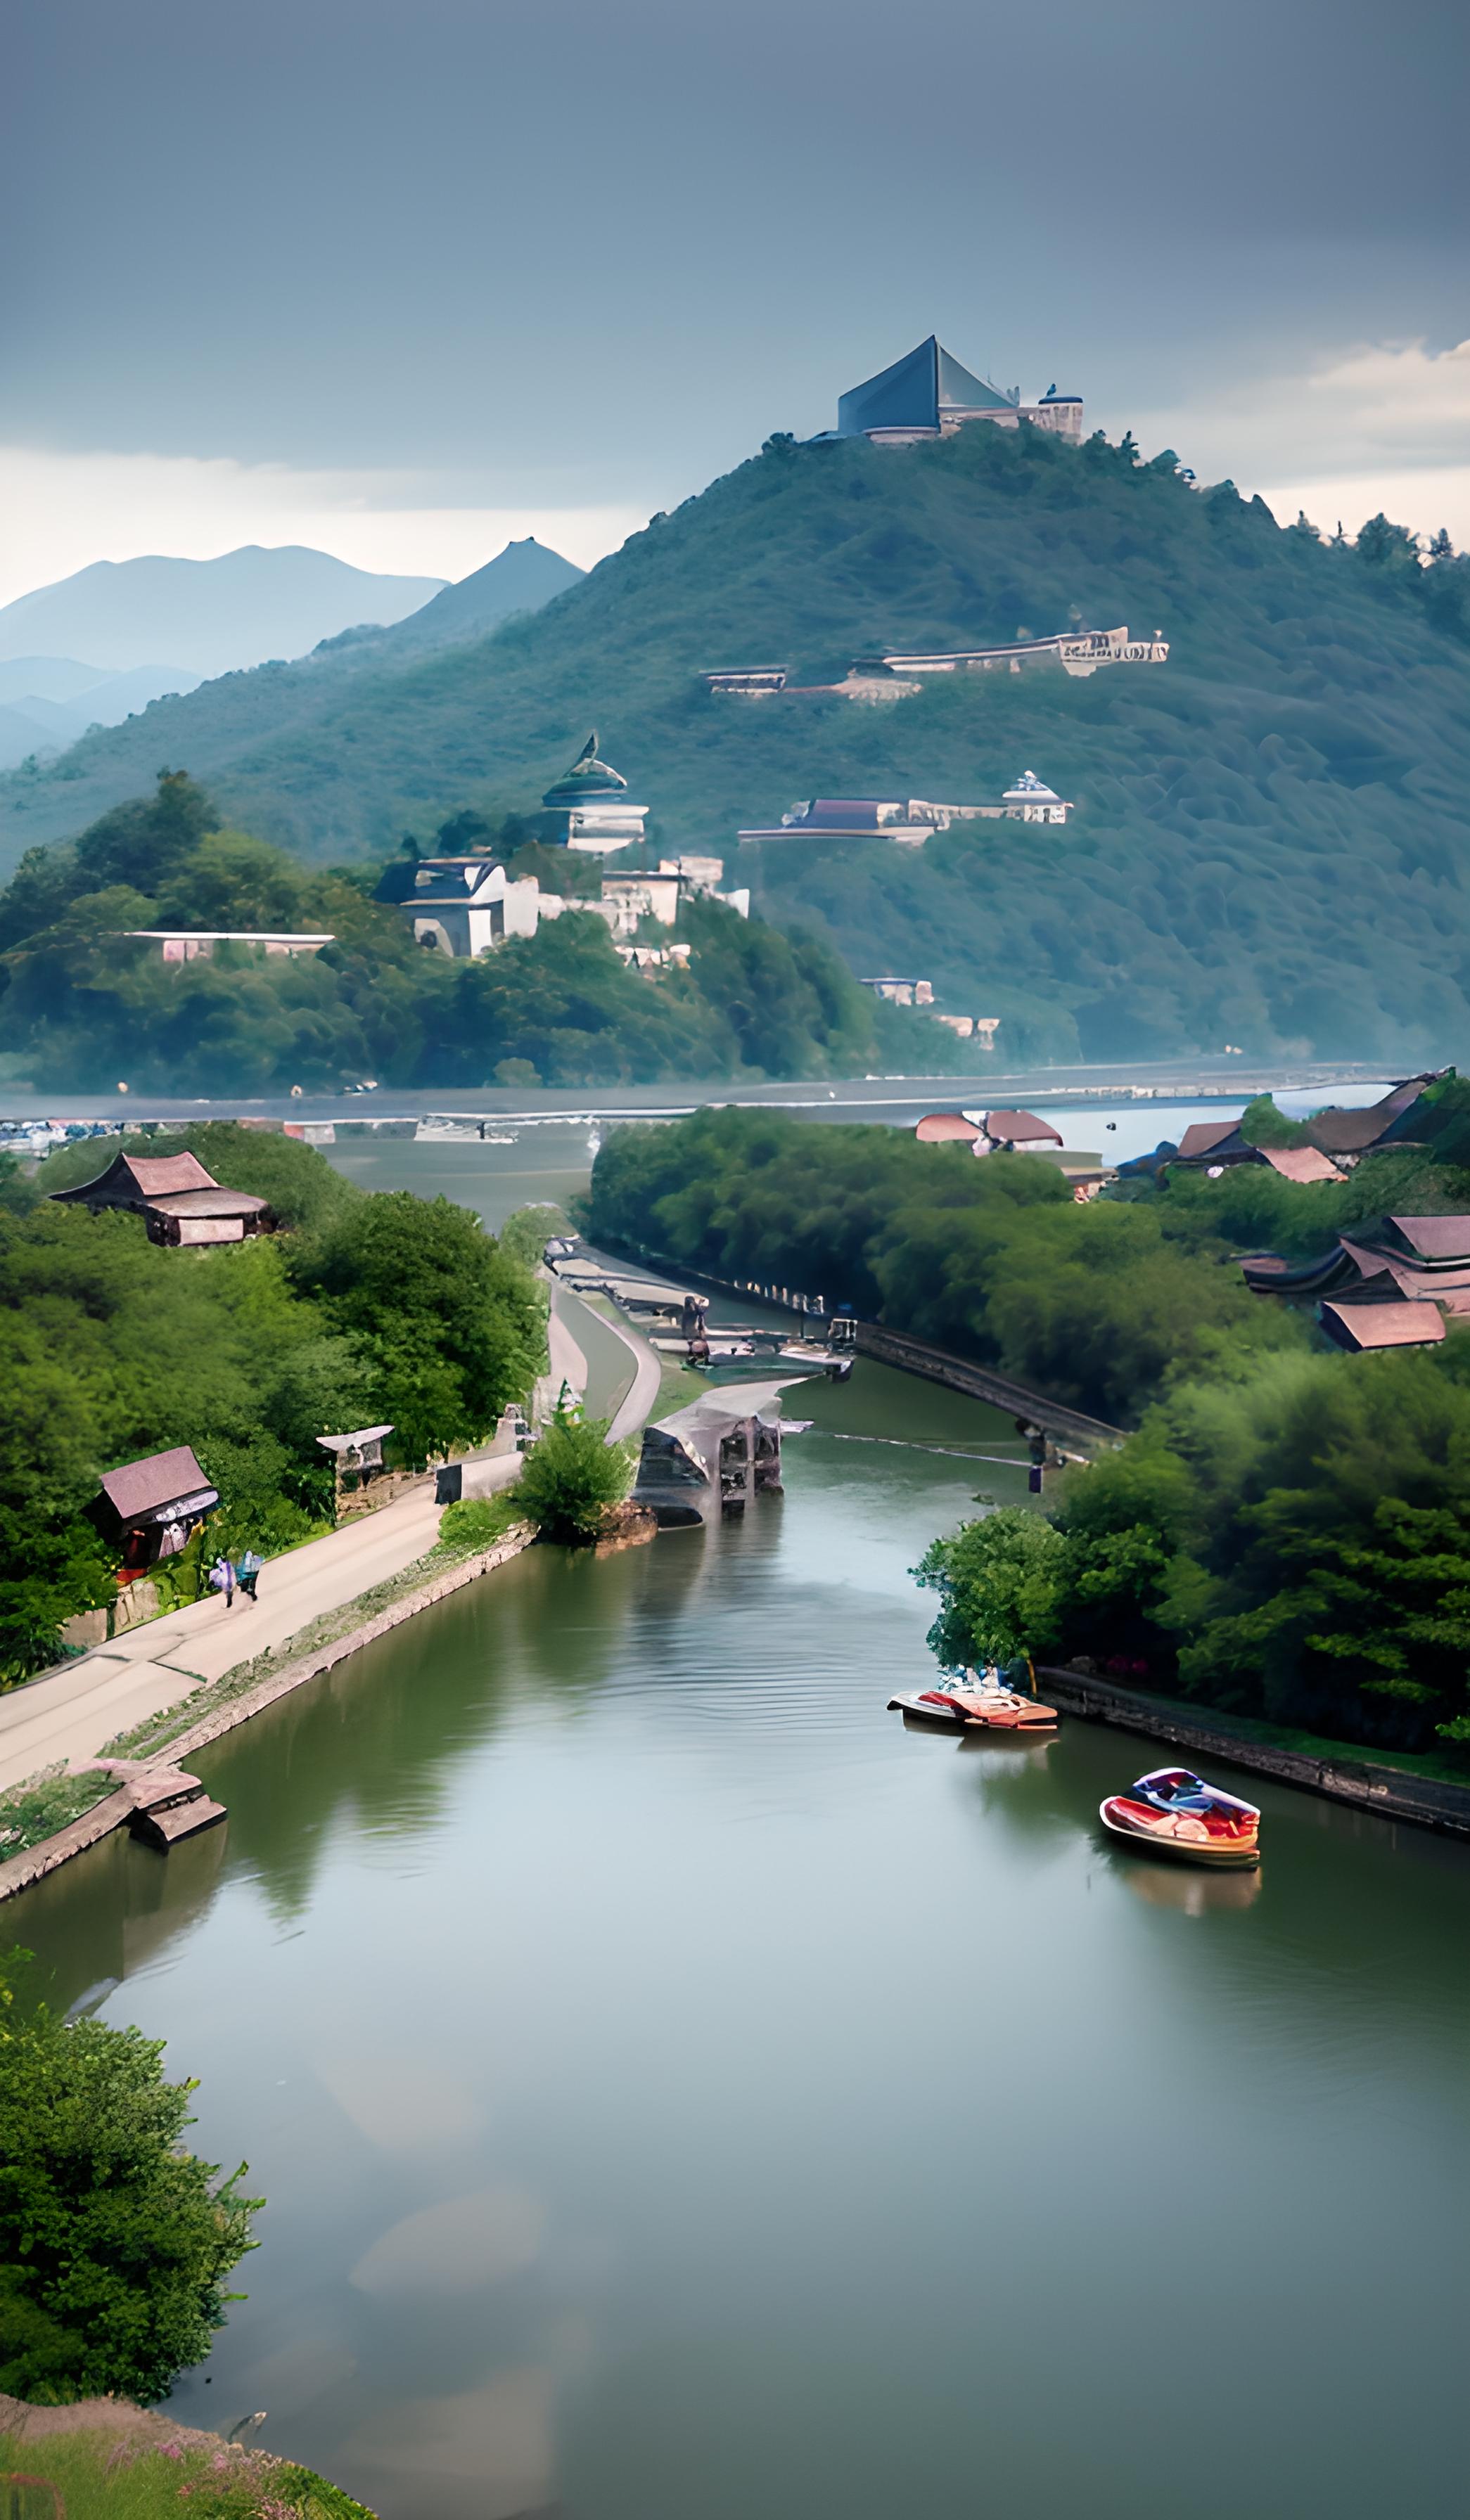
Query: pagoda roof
916	392
588	776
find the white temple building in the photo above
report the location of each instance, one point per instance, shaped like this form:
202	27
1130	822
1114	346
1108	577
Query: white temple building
589	808
465	906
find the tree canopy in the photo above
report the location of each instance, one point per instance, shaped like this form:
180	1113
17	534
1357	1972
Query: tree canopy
115	2242
86	1001
1267	846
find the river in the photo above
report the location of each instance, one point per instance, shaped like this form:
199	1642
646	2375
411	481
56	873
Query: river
683	2094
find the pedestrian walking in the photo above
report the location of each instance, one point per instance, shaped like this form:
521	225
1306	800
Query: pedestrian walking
249	1570
222	1580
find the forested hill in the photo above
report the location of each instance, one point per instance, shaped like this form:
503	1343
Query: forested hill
1270	844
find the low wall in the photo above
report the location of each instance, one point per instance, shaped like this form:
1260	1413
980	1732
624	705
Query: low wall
112	1813
1394	1793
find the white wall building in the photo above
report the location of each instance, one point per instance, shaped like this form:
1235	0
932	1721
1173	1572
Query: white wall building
466	906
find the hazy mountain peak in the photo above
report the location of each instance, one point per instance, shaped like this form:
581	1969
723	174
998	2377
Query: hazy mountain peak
212	617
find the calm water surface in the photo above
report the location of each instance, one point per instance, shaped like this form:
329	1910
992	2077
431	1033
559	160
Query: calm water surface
683	2094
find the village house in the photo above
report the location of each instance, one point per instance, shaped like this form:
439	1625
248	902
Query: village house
980	1029
463	905
179	1201
629	898
929	395
902	993
197	944
147	1509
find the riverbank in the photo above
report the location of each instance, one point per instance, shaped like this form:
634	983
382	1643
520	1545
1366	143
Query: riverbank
1392	1789
205	1714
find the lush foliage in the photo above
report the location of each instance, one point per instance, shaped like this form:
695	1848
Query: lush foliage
376	1309
1268	848
115	2242
1291	1543
452	1325
84	1004
1097	1304
572	1476
101	2475
1288	1531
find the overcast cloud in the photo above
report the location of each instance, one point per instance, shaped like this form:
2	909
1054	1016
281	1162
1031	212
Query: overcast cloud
415	279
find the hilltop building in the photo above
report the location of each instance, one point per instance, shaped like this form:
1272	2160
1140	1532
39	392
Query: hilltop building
913	820
1077	651
902	993
930	394
588	807
747	682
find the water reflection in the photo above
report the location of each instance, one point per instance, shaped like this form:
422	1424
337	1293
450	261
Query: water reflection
1191	1893
585	1969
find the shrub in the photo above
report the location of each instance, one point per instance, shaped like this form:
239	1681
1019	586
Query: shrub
114	2244
572	1476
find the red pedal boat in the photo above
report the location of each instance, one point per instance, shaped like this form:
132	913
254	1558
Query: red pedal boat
1177	1814
980	1699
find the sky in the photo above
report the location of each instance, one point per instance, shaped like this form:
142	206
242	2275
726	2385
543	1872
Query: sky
404	280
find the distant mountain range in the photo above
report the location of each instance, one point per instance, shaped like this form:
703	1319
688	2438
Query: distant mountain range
209	616
46	702
251	600
1268	842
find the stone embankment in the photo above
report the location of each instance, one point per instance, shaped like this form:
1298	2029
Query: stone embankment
116	1809
1391	1792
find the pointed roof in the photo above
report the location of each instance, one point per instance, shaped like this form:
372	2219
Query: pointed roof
588	776
916	392
141	1177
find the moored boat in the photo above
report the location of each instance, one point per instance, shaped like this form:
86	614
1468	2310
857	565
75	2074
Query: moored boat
1179	1815
980	1699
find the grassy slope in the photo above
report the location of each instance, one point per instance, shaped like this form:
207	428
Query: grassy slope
1269	847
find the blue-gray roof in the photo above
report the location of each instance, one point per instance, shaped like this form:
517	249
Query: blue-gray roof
916	392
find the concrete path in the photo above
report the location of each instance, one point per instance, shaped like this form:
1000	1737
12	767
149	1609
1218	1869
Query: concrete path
639	1407
70	1714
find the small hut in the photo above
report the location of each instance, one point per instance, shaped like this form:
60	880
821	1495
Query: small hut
357	1463
147	1509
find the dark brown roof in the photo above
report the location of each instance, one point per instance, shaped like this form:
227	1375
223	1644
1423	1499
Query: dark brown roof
1436	1237
1349	1133
1376	1326
140	1488
1202	1134
1019	1127
135	1179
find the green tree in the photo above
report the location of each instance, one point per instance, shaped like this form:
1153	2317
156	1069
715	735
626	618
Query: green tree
572	1476
115	2242
1001	1587
453	1326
